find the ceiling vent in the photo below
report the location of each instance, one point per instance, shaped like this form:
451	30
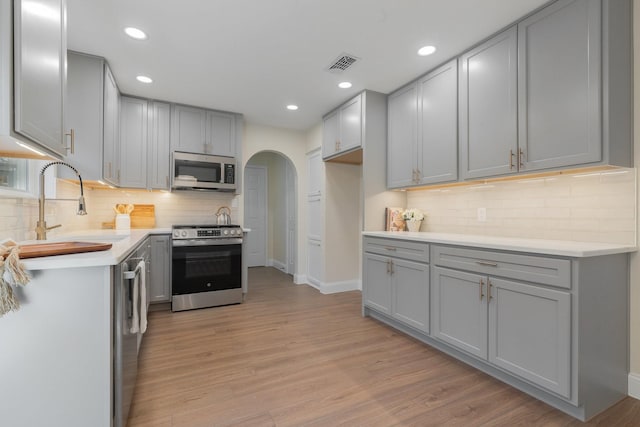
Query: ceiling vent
341	63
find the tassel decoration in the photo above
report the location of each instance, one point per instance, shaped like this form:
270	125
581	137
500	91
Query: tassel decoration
12	272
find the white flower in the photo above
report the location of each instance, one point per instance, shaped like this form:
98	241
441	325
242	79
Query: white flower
413	214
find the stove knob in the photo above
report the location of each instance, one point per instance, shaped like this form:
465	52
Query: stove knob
176	233
233	232
184	233
226	232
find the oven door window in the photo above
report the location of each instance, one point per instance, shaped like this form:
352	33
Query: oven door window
206	268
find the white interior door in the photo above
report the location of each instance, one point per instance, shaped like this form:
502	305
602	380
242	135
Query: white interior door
255	215
291	218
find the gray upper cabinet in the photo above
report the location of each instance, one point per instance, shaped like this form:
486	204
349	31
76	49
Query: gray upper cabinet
84	114
40	92
422	133
488	107
196	130
188	129
438	125
159	128
559	77
402	128
221	128
133	142
110	149
342	129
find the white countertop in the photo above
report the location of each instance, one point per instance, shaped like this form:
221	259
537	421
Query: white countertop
123	243
535	246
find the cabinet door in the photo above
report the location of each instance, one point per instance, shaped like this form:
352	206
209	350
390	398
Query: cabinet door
221	134
330	135
111	138
529	333
160	273
402	137
438	125
376	282
411	293
188	129
159	145
559	85
315	262
350	125
40	72
460	310
84	114
133	142
488	108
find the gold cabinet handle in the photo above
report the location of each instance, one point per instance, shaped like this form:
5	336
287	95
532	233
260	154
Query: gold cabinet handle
392	270
487	263
72	135
521	158
417	176
510	159
481	286
166	178
109	168
390	248
388	266
489	286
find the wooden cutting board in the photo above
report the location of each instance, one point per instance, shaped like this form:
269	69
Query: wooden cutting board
60	248
142	216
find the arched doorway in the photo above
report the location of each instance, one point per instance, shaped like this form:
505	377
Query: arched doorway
270	183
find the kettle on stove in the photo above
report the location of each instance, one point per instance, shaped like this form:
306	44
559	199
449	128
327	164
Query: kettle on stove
223	216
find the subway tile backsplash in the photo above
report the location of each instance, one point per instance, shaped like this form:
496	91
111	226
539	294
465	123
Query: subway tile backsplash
18	216
593	206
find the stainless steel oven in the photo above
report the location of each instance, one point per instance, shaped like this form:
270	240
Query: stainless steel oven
206	266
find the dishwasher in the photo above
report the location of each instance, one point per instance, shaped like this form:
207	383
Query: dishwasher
126	337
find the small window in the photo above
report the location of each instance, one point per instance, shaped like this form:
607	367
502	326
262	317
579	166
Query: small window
19	177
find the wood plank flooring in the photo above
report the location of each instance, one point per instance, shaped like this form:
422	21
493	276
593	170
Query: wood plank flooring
290	356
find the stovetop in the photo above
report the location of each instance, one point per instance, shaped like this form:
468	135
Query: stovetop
213	231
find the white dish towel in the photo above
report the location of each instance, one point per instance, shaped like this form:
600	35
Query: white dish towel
139	318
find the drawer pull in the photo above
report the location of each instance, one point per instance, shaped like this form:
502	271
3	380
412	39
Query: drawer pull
390	248
487	263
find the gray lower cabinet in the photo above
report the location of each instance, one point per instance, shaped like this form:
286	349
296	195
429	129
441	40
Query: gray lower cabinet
554	327
395	286
40	91
160	273
521	328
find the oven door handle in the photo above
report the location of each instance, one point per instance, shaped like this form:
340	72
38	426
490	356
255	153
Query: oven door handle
206	242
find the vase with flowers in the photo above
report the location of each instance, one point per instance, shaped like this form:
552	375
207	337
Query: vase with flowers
413	218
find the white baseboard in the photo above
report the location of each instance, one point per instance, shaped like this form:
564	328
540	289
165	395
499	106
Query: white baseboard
300	279
277	264
335	287
314	283
634	385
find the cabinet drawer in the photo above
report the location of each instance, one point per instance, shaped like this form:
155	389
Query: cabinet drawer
415	251
543	270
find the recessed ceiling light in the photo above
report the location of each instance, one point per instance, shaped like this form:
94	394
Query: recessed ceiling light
144	79
292	107
344	85
135	33
426	50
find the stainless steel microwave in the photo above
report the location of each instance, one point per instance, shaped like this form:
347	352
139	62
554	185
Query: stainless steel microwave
202	172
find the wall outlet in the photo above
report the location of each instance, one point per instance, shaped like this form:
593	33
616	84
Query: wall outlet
482	214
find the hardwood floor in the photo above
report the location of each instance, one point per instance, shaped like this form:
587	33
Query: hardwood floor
290	356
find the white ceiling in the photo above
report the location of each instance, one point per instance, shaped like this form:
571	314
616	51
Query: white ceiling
256	56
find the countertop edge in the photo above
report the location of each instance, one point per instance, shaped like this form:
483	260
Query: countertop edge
531	246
